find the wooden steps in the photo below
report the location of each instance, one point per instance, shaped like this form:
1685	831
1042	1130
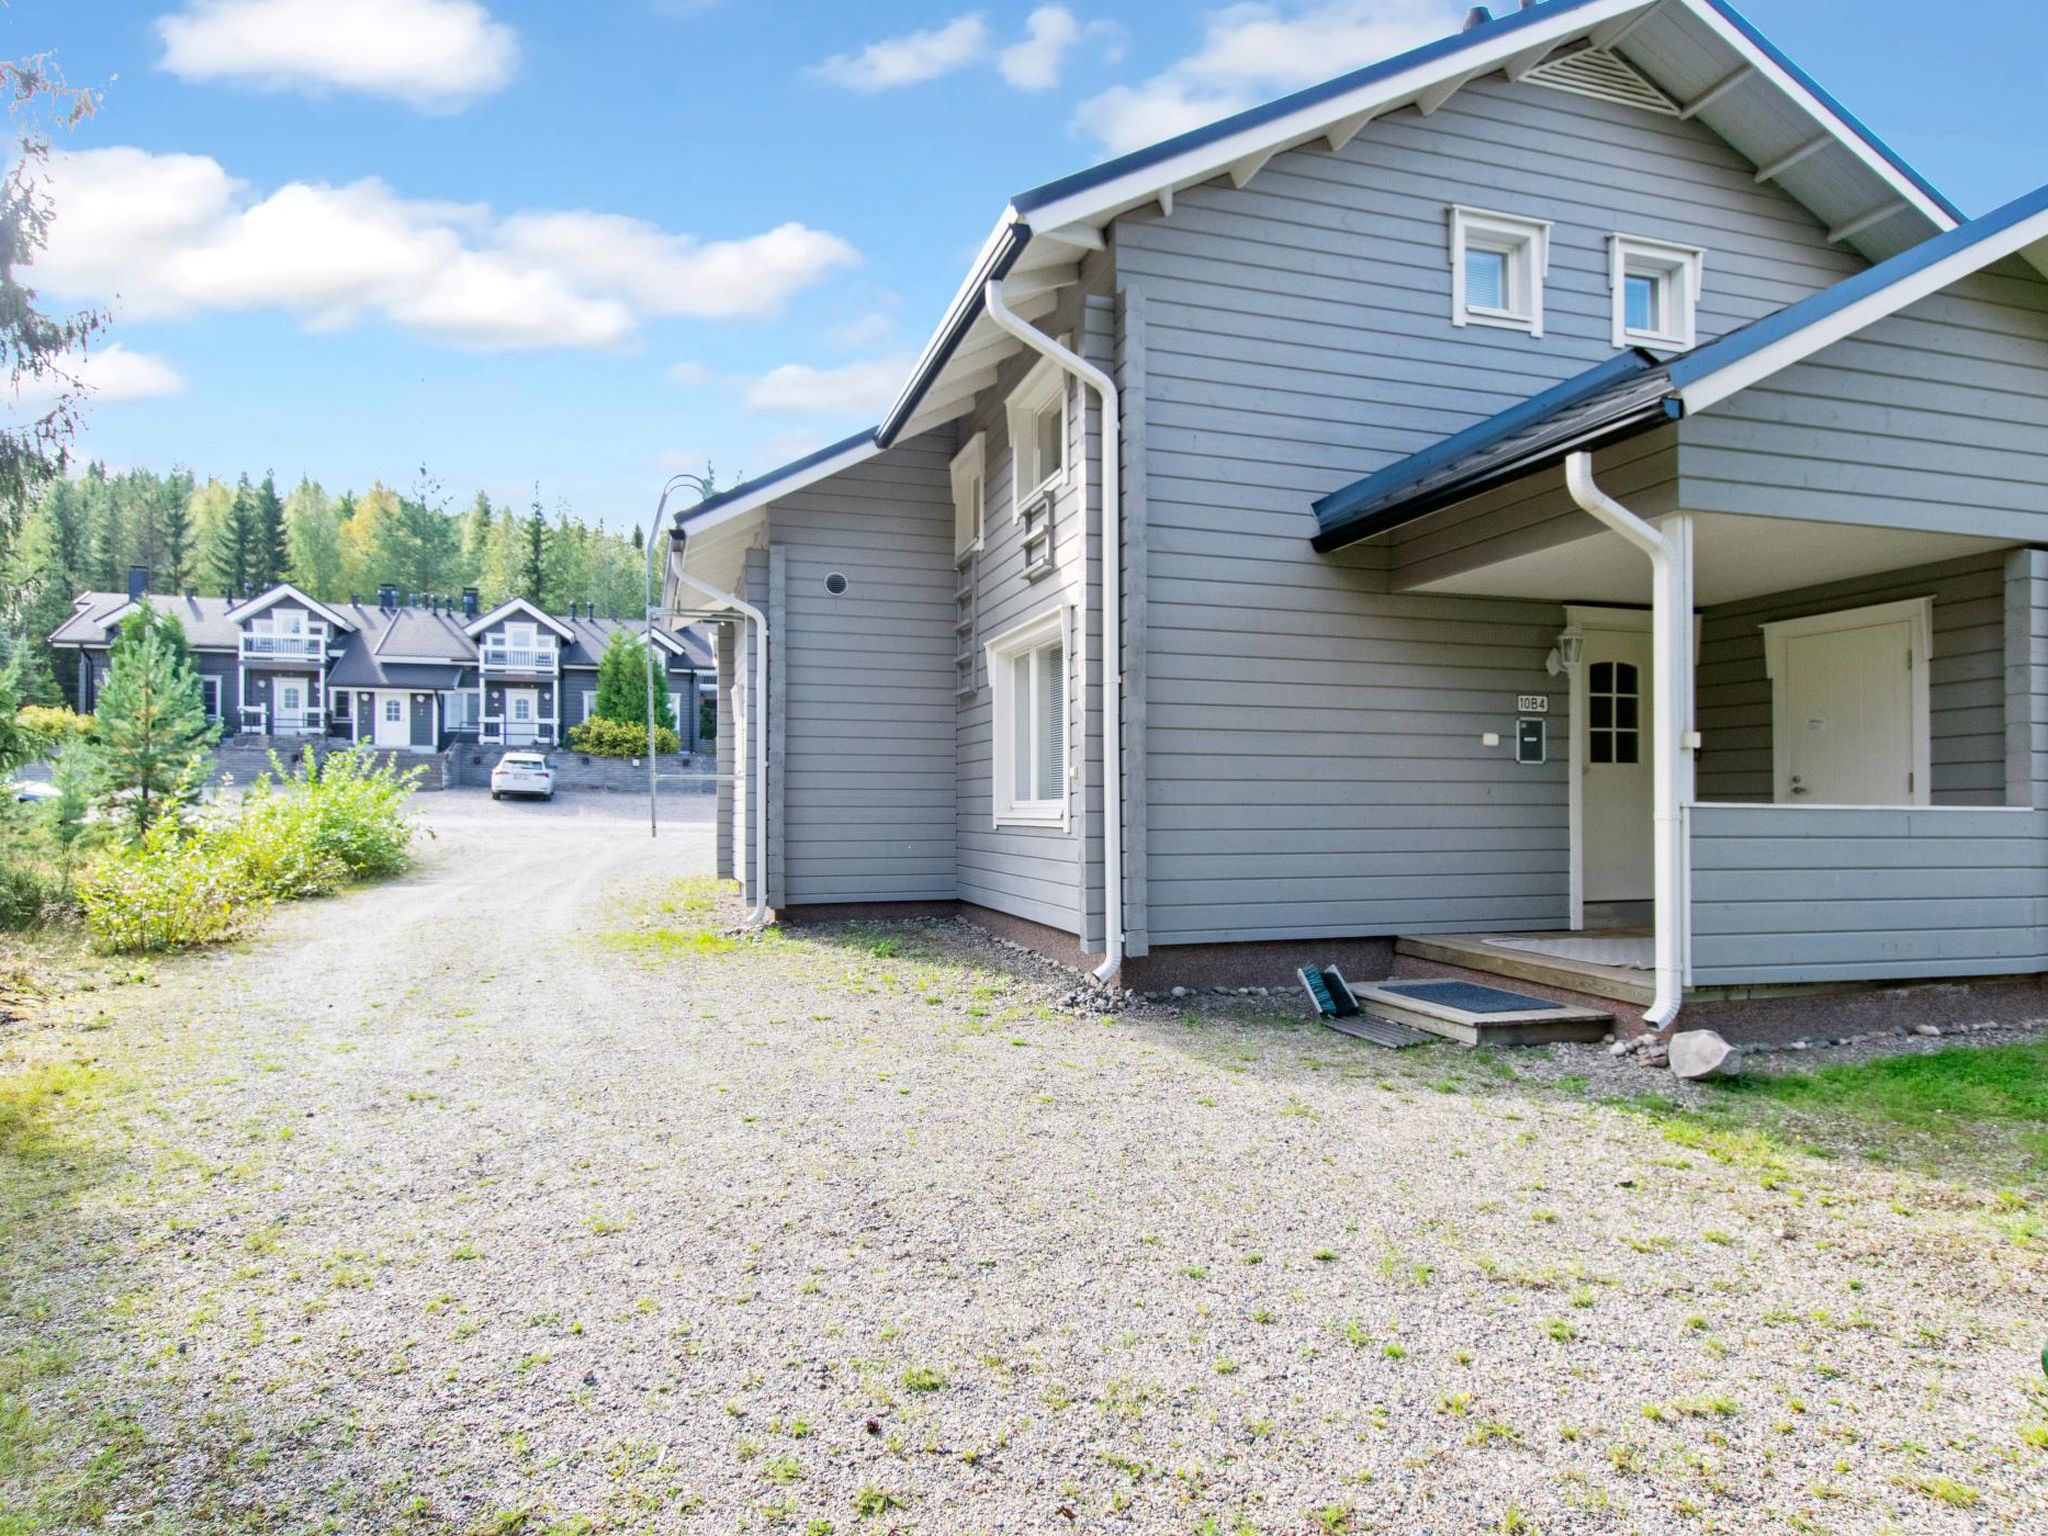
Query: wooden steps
1473	1014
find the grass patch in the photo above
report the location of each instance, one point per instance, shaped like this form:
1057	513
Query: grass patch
670	943
1998	1082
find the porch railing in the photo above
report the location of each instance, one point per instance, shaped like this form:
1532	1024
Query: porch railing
257	646
518	658
1800	893
516	733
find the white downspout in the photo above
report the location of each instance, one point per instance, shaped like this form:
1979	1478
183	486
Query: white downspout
758	801
1672	744
1112	620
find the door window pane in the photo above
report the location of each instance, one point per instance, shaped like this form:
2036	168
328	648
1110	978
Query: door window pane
1614	713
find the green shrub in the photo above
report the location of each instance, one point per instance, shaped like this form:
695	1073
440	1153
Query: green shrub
347	811
167	891
616	738
48	726
27	894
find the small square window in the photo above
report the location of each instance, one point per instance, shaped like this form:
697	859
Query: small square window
1498	263
1656	293
394	710
1028	670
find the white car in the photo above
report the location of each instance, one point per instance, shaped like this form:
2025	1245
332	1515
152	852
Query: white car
34	791
522	773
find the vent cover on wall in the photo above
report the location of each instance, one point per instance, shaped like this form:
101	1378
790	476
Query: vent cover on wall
1603	76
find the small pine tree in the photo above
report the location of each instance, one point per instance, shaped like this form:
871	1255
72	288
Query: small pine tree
533	574
233	554
622	683
151	733
270	553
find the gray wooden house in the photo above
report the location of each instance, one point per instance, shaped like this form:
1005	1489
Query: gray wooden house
408	673
1565	502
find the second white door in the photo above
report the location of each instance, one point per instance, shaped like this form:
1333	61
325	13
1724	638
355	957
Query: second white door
1618	793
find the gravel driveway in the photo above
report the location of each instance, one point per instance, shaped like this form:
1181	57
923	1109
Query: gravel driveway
500	1199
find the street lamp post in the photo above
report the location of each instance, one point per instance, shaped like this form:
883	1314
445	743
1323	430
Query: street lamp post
702	487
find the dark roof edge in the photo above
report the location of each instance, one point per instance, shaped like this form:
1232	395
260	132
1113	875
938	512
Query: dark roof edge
1332	509
1139	159
997	258
1647	417
782	472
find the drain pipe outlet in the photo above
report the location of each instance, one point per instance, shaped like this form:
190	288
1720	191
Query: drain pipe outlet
760	703
1671	637
1112	618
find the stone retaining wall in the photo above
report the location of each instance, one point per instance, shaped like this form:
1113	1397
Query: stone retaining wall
679	774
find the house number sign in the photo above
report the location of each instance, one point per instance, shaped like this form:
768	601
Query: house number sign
1532	704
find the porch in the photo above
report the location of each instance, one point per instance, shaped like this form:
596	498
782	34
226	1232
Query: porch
1798	754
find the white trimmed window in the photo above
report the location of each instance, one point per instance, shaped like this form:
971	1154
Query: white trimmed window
1656	292
1498	264
394	710
1027	667
970	495
1038	435
209	696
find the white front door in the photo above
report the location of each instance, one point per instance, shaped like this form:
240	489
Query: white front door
1849	707
294	700
394	725
1613	754
522	716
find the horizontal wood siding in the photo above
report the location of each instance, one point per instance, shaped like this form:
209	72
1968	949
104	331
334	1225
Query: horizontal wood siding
1966	683
1795	893
1934	419
1313	734
866	702
1039	873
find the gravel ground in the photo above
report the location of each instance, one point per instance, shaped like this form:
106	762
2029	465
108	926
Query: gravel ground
500	1200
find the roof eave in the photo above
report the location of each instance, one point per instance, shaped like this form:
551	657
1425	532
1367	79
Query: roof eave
1661	412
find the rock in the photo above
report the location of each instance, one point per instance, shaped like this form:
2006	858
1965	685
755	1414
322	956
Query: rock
1701	1053
1621	1048
1927	1031
1180	991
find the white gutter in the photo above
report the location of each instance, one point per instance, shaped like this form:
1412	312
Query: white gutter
1672	742
759	800
1112	620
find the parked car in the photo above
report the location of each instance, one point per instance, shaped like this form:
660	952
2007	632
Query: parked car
33	791
522	773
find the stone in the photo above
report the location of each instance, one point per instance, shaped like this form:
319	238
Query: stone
1701	1053
1621	1048
1927	1031
1180	991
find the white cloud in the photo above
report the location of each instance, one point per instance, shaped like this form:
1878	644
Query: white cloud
854	389
689	375
172	235
1035	63
911	59
869	330
1253	52
105	375
432	53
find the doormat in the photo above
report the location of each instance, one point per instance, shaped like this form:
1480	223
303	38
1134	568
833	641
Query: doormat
1466	997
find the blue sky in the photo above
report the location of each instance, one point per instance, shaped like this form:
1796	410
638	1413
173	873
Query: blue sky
582	244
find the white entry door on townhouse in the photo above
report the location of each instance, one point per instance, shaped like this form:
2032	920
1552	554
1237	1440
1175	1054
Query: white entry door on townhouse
522	716
394	725
1849	706
1614	750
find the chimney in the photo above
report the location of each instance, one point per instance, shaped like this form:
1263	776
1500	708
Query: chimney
1476	18
191	594
138	582
355	599
387	597
469	602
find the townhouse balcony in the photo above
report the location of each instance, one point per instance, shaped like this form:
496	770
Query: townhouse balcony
495	730
258	721
260	646
545	661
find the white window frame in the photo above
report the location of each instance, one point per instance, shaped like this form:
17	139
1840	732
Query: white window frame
1525	243
1043	389
456	708
589	702
209	697
970	495
393	702
1033	636
1678	270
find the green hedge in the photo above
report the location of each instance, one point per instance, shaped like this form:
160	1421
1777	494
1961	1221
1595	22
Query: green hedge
617	738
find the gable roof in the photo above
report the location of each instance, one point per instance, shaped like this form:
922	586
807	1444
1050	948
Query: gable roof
506	610
242	612
1634	392
98	614
1702	55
